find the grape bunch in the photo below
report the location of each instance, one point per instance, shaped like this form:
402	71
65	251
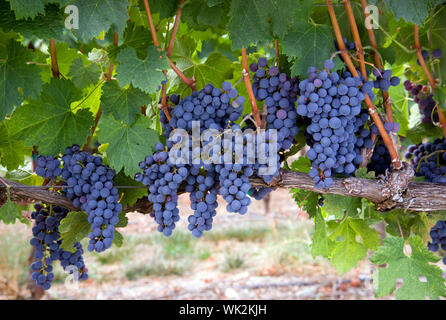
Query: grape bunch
434	54
333	103
429	160
89	184
212	113
423	95
388	126
48	247
384	79
438	235
381	160
279	94
163	180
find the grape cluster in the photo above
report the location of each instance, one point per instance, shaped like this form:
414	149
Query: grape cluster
212	107
429	160
163	180
384	79
48	167
279	93
48	247
434	54
333	103
381	160
438	235
202	177
388	126
423	95
89	184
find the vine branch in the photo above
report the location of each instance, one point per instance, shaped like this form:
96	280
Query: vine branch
175	27
419	196
245	73
54	65
396	163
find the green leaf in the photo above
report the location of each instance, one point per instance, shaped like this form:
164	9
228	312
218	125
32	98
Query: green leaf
409	269
25	177
311	44
199	16
45	26
130	195
123	220
307	200
340	205
254	21
136	37
118	239
215	70
128	145
125	103
83	76
15	73
12	151
321	243
26	8
73	228
347	251
56	126
303	164
65	57
414	11
96	16
144	74
9	212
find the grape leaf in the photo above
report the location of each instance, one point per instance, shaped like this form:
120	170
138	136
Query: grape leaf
49	122
15	73
311	44
199	16
83	76
65	58
254	21
29	9
45	26
340	205
118	239
408	268
144	74
123	103
215	70
123	220
128	144
73	228
12	152
96	16
307	200
9	212
321	243
347	251
129	196
136	37
302	164
414	11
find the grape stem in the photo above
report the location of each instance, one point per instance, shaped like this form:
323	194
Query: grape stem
245	74
54	65
396	163
429	77
175	28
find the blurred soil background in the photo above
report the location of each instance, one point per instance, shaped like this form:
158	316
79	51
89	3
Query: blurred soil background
261	255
